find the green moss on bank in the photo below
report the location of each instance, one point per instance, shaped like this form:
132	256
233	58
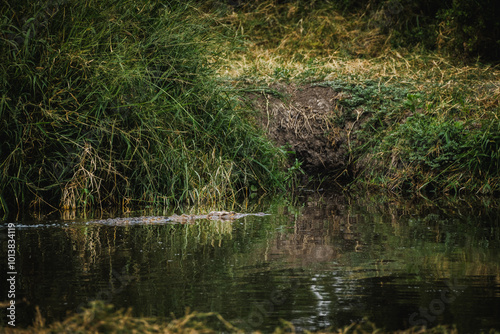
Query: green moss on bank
414	139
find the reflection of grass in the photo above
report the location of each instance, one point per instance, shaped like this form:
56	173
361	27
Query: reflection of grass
103	318
422	238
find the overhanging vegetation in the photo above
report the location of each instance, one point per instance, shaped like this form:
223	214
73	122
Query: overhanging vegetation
116	102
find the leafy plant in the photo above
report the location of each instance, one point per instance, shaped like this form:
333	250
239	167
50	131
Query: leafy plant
432	143
292	176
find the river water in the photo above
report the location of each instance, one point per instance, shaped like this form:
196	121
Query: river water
317	261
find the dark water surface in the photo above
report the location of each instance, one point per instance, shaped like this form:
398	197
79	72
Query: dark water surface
321	261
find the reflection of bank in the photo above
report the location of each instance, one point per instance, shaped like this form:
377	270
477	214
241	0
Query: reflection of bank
318	236
397	263
118	282
323	302
310	258
323	241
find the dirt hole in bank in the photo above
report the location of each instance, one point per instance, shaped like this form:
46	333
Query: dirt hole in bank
302	119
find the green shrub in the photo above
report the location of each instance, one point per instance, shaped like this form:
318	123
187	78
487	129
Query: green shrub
404	139
435	153
431	143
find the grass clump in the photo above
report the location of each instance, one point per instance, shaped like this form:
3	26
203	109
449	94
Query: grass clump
117	102
99	317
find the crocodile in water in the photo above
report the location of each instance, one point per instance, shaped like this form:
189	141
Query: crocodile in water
184	218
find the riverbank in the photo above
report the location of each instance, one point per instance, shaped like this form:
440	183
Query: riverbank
355	108
199	104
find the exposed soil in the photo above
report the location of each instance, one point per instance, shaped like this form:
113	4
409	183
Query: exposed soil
301	119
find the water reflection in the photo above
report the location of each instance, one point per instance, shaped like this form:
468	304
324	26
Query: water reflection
318	262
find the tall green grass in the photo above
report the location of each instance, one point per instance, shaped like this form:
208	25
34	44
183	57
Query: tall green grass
116	102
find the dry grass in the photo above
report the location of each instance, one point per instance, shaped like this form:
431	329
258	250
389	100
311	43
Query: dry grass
308	42
419	71
451	86
103	318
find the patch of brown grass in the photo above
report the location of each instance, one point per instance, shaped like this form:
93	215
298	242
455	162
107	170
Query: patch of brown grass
103	318
309	42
